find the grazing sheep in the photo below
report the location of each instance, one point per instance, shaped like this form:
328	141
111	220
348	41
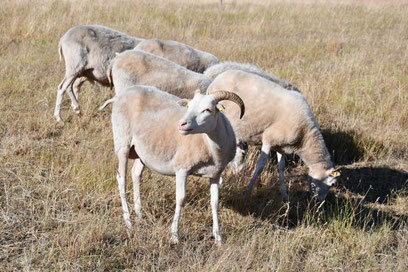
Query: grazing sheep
137	67
88	50
282	121
218	69
213	71
180	53
144	124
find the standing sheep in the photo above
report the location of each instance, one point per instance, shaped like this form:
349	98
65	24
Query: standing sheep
282	121
155	129
88	50
137	67
213	71
180	53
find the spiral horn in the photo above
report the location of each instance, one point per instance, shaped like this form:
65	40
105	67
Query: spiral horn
225	95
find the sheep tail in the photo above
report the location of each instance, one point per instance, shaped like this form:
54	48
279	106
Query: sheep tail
109	76
60	52
107	102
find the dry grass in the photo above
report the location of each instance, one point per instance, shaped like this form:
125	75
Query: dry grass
59	205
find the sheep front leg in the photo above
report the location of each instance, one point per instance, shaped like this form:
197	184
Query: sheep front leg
214	207
281	168
137	171
181	178
263	157
121	178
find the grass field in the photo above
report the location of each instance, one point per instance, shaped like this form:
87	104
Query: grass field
59	203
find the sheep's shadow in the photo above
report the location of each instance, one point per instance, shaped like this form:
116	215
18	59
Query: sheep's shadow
376	184
345	146
354	201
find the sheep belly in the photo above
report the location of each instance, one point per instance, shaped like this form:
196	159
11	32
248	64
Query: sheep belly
208	171
159	166
156	158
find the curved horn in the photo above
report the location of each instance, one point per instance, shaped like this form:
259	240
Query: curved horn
225	95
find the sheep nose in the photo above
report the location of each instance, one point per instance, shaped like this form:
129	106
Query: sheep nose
182	124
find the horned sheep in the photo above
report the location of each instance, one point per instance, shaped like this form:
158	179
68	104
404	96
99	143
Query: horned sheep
88	50
152	127
217	69
180	53
272	121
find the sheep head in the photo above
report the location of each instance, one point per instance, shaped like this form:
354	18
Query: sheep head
320	187
203	111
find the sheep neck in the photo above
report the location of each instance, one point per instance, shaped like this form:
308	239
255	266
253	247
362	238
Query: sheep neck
315	154
217	140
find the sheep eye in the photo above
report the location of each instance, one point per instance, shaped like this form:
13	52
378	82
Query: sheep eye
207	110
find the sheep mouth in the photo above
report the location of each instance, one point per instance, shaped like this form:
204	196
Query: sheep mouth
184	131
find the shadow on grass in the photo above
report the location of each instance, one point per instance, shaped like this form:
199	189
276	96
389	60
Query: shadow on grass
358	190
344	146
377	184
351	203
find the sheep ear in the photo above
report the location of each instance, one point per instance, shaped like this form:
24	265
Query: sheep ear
183	102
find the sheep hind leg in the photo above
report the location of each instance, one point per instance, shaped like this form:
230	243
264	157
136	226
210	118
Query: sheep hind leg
75	95
122	155
281	168
62	88
181	178
137	171
74	101
263	157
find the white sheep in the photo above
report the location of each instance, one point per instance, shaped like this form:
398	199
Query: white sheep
152	127
217	69
88	50
282	121
137	67
213	71
180	53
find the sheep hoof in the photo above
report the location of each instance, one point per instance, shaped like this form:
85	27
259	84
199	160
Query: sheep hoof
247	192
139	214
218	240
58	119
77	111
174	239
128	224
